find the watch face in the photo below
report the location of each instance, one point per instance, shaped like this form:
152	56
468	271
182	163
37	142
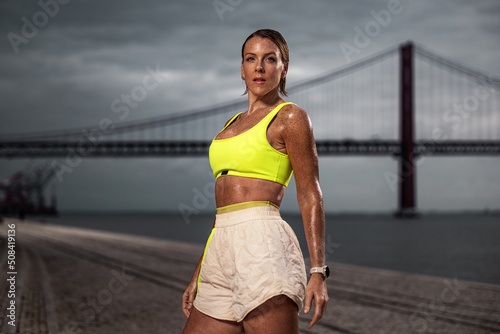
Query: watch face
327	271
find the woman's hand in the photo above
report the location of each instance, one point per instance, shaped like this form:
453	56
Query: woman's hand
316	289
188	297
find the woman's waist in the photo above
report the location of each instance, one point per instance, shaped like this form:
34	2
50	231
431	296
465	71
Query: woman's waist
235	189
238	213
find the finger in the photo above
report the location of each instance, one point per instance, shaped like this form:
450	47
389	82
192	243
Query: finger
186	312
187	308
308	303
319	309
315	318
186	304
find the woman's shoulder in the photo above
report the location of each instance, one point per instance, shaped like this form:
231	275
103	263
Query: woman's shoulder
293	114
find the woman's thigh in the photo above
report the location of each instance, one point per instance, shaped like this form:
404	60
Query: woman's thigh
202	323
278	315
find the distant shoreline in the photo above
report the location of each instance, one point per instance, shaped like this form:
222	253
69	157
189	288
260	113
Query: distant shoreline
487	212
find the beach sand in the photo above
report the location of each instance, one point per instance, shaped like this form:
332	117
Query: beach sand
71	280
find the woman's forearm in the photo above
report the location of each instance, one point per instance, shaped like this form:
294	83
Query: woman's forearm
313	218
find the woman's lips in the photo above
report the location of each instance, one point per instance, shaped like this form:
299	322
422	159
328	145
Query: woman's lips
259	81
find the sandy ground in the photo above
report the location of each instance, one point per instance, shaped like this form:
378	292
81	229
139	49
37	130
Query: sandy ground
71	280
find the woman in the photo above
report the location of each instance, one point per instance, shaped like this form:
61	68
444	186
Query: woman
251	277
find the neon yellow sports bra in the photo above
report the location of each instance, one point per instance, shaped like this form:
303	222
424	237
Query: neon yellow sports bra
249	154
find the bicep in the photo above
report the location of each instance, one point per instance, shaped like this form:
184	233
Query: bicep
301	149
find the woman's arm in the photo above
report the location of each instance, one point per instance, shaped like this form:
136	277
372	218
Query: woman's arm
190	292
300	146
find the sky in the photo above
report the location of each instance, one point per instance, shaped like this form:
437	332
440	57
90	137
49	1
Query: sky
65	62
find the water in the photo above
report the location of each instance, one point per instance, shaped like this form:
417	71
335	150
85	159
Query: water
463	246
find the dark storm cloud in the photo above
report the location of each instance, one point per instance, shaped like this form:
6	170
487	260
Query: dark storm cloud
90	52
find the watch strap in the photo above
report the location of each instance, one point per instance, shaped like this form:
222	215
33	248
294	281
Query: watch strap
319	270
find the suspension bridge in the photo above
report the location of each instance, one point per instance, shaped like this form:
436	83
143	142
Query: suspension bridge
405	102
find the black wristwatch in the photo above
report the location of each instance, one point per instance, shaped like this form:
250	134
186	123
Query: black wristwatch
325	271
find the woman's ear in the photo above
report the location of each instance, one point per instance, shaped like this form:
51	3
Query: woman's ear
285	71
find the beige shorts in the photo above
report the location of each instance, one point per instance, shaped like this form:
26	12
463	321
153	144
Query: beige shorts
251	256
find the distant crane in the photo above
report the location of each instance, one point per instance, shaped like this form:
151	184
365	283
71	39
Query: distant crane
24	193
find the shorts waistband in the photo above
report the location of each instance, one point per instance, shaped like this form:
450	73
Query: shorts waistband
244	205
246	215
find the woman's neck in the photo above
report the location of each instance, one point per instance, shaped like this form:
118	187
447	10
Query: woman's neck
266	101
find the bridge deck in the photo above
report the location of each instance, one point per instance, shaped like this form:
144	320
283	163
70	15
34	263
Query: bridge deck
82	281
158	148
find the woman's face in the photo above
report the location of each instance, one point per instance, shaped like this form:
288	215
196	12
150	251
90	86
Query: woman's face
262	67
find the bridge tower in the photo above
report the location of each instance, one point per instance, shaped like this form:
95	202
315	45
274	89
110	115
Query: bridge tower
406	166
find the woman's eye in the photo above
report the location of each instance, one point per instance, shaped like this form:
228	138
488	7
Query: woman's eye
271	59
249	58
